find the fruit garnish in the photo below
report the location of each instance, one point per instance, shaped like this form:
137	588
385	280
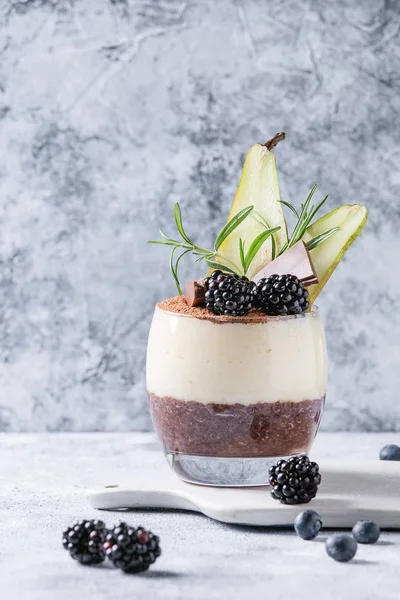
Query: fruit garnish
256	234
315	236
225	264
294	481
348	221
258	186
304	218
294	261
282	295
229	295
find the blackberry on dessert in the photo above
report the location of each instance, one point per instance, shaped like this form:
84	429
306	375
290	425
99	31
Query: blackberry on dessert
282	295
229	295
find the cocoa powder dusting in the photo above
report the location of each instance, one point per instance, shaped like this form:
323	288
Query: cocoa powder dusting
179	306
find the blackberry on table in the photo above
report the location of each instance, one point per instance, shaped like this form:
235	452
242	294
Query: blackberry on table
229	295
131	549
282	295
294	481
84	541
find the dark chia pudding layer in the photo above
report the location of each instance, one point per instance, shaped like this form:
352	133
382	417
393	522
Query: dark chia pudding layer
236	430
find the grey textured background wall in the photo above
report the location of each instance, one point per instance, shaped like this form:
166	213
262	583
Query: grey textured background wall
111	110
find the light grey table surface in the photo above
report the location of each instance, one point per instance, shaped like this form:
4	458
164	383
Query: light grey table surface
42	481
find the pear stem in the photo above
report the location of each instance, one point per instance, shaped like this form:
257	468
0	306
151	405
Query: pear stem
275	140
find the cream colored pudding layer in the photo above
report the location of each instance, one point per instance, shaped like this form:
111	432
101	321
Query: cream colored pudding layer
283	359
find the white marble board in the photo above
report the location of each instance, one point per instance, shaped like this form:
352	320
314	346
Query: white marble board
349	492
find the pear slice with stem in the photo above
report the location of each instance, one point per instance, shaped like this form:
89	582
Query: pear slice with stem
350	218
259	187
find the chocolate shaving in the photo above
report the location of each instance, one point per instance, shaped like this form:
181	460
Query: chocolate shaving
195	293
295	261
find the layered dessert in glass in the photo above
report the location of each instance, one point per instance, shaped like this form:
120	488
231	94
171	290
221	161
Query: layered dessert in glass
236	366
252	389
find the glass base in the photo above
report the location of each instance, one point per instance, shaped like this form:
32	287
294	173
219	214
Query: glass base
222	472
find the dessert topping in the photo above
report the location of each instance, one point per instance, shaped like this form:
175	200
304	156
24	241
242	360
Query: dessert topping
282	295
294	261
212	257
229	295
195	293
255	241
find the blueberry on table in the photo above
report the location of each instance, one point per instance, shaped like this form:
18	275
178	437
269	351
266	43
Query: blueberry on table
366	532
390	452
308	524
341	547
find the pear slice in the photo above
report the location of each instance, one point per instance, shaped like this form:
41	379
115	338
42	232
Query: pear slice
351	219
259	187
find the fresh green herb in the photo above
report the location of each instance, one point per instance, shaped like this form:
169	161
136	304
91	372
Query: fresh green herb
179	224
255	247
304	219
292	208
320	239
263	222
217	265
216	260
174	267
213	258
187	246
231	226
241	254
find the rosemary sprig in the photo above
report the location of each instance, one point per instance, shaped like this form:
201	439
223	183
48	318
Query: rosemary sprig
231	226
247	258
320	239
241	253
304	219
213	258
263	222
174	267
292	208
